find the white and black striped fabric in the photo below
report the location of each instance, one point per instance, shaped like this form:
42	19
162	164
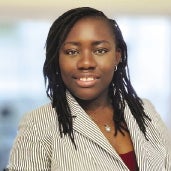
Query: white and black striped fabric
39	147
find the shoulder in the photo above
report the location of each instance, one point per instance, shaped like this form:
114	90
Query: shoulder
39	121
32	146
43	114
151	111
147	104
156	125
157	132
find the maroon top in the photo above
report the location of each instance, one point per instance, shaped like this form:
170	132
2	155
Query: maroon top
130	160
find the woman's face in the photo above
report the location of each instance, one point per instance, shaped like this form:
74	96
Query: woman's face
87	59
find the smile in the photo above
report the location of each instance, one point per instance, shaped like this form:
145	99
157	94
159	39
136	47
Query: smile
87	79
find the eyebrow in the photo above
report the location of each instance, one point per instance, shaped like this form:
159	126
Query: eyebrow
94	43
72	43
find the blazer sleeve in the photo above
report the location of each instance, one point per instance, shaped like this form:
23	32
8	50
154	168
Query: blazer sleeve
29	152
163	132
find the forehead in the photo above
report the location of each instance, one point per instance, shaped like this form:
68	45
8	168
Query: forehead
91	26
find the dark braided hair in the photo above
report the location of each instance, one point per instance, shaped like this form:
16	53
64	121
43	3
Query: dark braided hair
120	89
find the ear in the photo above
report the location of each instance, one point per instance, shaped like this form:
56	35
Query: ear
118	56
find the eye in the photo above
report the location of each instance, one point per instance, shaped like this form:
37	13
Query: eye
71	52
100	51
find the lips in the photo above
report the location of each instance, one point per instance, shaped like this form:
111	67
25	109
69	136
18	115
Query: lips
86	80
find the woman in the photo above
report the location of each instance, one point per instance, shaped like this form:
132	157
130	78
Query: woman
96	121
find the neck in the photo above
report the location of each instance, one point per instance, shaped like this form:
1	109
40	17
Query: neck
93	105
100	110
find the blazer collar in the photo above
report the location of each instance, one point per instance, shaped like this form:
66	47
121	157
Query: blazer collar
144	150
83	124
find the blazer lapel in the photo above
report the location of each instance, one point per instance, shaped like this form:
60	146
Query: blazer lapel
139	142
144	150
83	124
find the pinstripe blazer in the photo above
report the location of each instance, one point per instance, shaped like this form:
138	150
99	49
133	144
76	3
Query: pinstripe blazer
38	146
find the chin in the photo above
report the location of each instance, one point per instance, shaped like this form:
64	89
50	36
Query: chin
84	95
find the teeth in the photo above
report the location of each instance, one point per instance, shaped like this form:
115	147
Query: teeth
87	79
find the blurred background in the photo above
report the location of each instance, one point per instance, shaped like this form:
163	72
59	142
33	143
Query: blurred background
24	25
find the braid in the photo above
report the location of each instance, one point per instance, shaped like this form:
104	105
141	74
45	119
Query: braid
120	90
51	70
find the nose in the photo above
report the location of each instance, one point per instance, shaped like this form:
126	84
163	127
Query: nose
86	61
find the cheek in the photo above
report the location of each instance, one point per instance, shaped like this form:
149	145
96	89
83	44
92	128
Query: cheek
65	72
63	68
107	65
66	67
108	69
107	73
64	64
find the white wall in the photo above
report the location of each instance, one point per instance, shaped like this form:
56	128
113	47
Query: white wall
11	9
